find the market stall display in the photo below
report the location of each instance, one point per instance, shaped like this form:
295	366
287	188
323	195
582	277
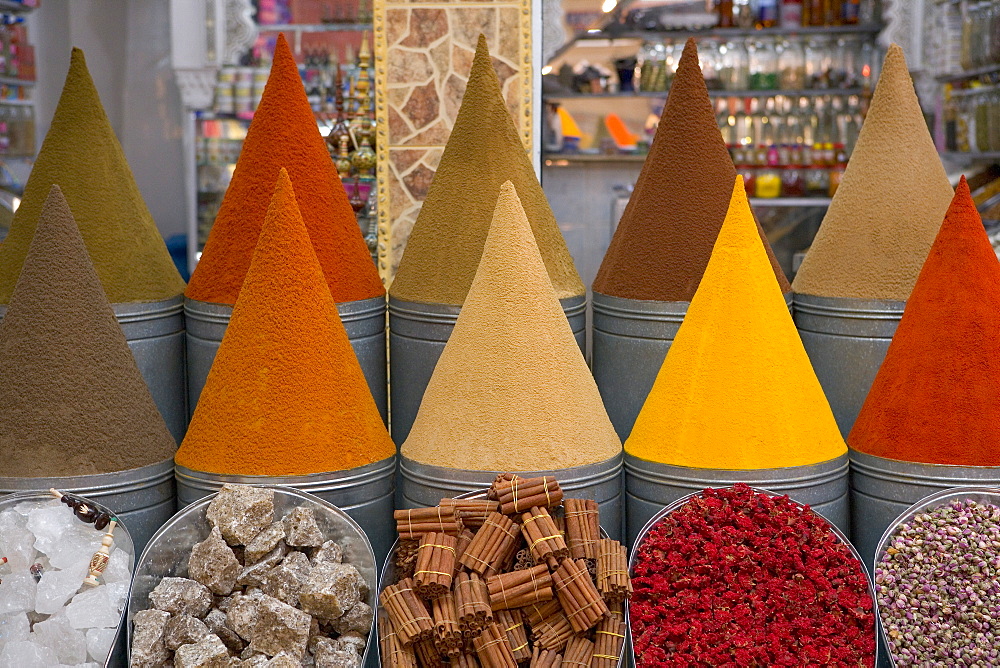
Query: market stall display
444	249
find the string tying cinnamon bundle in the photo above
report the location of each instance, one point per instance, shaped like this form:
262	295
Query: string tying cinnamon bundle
550	628
394	654
435	565
612	571
519	494
472	512
578	596
491	544
512	623
520	588
583	527
409	616
543	538
579	652
545	658
501	479
493	649
472	603
448	638
416	522
608	639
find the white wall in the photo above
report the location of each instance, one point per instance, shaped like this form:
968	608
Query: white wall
127	44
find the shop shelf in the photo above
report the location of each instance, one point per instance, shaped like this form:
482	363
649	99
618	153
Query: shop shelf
8	7
14	81
611	33
16	103
804	92
969	74
315	27
966	156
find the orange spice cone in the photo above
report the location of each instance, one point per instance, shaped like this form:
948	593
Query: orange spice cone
285	395
284	134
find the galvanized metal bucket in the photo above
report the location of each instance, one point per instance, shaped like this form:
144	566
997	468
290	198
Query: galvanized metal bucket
883	489
155	335
142	498
936	500
650	486
417	334
676	503
846	340
168	551
364	321
631	338
366	493
123	541
422	485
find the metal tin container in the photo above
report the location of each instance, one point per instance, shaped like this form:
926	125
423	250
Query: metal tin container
388	574
417	335
168	551
364	321
846	340
123	541
422	485
366	493
882	489
155	335
142	498
649	486
935	500
676	503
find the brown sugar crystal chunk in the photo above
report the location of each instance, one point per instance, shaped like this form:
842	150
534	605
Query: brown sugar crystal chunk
357	619
214	565
302	529
330	591
241	512
252	576
280	628
216	623
207	653
181	596
284	581
148	648
263	543
184	630
329	551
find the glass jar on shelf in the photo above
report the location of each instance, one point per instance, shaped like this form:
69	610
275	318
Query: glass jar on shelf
734	66
763	66
710	57
994	119
817	62
768	183
792	182
791	64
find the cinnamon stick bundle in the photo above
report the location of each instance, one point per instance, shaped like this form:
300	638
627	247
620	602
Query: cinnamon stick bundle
448	638
608	640
583	528
472	603
409	616
406	558
520	588
612	571
501	479
545	658
493	649
490	544
461	545
394	654
464	661
579	652
519	494
416	522
550	628
578	595
472	512
543	538
427	654
512	623
435	565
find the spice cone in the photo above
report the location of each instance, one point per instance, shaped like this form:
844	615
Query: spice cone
285	395
736	390
283	134
665	237
877	232
82	155
936	398
483	151
511	390
72	401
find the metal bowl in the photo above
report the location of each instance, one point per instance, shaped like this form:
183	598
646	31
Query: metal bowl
169	549
683	501
936	500
123	540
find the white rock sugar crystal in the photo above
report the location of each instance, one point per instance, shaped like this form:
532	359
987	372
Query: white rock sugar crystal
93	608
24	654
17	593
69	644
77	545
14	627
49	523
58	586
99	643
118	567
16	542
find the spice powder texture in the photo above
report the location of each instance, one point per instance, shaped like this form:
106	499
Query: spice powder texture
888	208
736	390
484	150
666	234
511	390
283	134
81	154
72	401
936	398
285	395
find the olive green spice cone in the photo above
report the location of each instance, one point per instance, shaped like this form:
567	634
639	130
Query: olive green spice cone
483	151
82	156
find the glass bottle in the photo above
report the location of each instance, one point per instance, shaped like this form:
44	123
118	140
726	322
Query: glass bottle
792	65
763	66
725	10
743	15
812	12
734	67
767	14
791	13
851	12
817	63
968	13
